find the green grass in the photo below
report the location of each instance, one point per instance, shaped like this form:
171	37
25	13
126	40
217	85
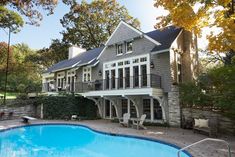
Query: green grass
9	95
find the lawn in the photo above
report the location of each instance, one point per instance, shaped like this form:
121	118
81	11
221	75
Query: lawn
9	95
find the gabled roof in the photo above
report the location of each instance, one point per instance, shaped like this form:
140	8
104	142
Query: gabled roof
133	29
84	58
166	37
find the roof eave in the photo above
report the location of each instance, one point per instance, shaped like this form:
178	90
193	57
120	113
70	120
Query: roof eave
160	51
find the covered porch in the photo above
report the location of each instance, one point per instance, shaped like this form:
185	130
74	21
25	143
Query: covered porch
149	101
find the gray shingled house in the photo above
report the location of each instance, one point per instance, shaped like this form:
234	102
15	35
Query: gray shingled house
134	72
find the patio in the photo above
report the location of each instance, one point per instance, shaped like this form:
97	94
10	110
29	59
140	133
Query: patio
176	136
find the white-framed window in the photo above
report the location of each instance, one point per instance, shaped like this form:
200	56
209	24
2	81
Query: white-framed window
129	47
119	49
86	76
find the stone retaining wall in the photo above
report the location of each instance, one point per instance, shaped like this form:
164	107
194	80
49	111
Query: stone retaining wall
29	110
225	125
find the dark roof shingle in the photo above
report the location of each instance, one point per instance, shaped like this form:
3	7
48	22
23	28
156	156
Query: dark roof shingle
81	59
165	37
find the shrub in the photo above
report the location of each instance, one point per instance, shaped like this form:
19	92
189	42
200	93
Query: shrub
214	90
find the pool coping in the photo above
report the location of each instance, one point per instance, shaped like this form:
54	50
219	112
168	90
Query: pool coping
102	132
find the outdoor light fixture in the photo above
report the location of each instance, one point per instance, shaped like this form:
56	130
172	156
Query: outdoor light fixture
100	72
152	65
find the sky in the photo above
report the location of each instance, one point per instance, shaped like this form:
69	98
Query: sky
50	27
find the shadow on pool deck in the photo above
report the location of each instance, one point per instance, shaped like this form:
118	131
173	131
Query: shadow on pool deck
175	136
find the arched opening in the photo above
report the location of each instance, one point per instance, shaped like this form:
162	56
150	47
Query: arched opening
157	110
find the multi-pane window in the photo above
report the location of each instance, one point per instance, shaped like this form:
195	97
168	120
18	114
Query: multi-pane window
86	74
129	47
124	106
119	49
157	110
133	110
143	59
136	60
147	108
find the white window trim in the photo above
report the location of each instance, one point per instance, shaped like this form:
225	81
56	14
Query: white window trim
131	65
119	54
87	72
127	52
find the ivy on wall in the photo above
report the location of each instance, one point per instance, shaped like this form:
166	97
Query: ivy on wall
63	107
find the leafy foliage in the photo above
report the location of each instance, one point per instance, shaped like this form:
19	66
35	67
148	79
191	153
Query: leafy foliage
90	24
214	90
10	19
194	15
22	73
62	107
30	8
46	57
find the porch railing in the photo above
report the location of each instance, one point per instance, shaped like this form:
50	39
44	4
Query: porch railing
140	81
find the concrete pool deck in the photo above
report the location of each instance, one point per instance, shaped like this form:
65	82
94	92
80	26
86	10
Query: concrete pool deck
175	136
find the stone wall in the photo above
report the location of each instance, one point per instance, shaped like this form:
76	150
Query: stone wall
225	125
174	107
29	110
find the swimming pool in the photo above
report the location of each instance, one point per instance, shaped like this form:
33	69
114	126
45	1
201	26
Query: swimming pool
62	140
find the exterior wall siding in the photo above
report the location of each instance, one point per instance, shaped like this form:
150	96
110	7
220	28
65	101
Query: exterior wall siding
140	46
122	33
162	68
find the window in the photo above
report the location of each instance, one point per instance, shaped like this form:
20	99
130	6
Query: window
120	63
124	106
136	60
143	59
107	108
129	47
157	110
127	62
113	65
86	74
133	110
147	108
119	49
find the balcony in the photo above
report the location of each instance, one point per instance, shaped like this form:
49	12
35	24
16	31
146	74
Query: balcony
132	82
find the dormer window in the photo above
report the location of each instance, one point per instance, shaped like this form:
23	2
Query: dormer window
119	49
129	48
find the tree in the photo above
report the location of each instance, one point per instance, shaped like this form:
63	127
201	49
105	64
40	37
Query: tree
90	24
10	19
46	57
22	73
194	15
212	90
30	8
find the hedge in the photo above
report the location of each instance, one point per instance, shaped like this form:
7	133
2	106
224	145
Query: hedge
62	107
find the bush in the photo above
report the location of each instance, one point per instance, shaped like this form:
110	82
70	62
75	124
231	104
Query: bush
62	107
214	90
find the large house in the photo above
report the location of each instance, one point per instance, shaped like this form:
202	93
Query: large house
133	72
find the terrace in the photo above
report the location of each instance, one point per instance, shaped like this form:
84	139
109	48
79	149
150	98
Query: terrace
175	136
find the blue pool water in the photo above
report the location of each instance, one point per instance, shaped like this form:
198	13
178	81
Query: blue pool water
76	141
